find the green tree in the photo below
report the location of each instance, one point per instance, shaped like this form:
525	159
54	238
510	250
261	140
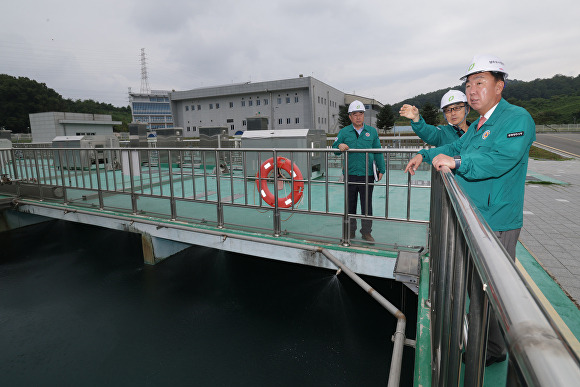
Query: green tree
386	118
430	114
343	118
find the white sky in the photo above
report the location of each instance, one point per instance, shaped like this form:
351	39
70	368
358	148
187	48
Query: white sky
381	49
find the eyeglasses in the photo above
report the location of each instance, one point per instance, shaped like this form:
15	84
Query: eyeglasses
453	109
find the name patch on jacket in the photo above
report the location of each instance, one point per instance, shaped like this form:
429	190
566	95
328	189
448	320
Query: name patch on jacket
515	134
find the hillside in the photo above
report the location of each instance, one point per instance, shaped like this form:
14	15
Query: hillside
550	101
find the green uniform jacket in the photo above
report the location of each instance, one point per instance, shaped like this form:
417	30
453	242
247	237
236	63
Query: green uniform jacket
434	135
368	139
494	164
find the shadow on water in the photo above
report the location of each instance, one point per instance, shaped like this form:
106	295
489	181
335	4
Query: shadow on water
78	307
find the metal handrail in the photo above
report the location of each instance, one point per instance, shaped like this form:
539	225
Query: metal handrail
538	354
75	170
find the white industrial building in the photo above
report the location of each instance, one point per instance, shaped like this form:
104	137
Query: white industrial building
46	126
296	103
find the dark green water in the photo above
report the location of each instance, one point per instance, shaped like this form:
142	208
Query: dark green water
79	308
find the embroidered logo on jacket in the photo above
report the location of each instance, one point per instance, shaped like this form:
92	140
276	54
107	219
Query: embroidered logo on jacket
485	134
515	134
367	134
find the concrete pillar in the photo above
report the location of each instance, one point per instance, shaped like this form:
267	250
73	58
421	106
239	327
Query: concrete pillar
157	249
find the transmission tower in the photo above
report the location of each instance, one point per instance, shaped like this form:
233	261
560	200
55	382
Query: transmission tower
144	78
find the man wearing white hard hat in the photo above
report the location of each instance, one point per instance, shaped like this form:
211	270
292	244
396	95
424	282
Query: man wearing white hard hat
455	110
490	162
360	174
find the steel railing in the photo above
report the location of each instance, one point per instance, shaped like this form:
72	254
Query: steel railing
175	183
463	247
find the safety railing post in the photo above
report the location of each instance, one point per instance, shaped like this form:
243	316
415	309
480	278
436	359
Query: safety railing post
439	301
346	217
276	214
459	289
220	205
134	208
478	321
99	186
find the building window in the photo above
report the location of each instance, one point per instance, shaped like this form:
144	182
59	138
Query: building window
319	120
210	106
232	127
198	107
243	103
231	104
186	108
250	103
244	123
192	107
230	120
279	121
193	128
217	105
279	100
258	102
318	99
287	99
297	120
295	99
265	102
288	121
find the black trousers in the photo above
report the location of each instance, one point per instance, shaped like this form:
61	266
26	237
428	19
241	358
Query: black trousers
356	190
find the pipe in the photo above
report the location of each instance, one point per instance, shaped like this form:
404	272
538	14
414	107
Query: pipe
399	335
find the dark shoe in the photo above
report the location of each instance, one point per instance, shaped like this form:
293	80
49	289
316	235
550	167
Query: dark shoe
368	237
494	359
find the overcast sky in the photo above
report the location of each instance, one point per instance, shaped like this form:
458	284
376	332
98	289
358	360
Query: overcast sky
379	49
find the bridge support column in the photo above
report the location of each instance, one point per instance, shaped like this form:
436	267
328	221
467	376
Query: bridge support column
157	249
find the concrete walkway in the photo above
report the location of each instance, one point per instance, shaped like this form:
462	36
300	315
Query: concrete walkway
551	230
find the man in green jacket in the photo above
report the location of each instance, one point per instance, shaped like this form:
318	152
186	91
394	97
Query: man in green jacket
360	174
455	110
490	162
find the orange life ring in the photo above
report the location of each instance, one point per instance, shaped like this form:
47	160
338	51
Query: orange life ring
262	183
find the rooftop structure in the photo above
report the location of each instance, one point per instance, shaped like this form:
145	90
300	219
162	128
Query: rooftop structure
46	126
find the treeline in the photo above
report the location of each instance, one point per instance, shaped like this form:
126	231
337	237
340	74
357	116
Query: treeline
21	96
550	101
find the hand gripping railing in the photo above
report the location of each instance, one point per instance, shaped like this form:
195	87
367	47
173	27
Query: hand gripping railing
462	244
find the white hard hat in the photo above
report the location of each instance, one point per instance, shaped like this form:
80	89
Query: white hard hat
356	106
481	63
451	97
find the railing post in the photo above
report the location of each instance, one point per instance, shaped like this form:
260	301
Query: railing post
220	206
134	208
172	205
447	303
99	187
64	190
276	214
345	218
438	305
478	321
459	288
